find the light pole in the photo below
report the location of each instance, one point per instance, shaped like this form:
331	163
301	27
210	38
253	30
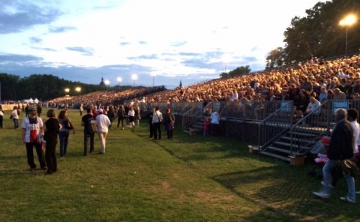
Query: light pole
348	21
134	77
153	75
107	82
119	79
225	59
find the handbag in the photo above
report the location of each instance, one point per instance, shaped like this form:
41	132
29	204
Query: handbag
68	125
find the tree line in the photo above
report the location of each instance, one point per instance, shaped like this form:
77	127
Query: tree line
42	86
319	34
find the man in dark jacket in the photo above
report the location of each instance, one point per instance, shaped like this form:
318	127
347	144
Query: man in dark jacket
340	148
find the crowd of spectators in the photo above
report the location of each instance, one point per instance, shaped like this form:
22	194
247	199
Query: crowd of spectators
319	78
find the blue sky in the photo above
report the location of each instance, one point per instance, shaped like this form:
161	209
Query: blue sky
161	41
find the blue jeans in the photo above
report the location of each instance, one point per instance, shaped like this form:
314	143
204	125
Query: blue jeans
327	178
16	123
63	137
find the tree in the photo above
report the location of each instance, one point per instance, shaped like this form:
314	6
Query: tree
319	33
240	71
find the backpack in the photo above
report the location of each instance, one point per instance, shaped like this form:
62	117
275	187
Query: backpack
92	126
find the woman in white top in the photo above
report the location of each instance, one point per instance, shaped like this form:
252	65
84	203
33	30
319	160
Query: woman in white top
131	115
15	117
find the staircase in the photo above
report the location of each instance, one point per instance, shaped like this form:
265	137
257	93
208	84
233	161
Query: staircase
299	138
298	143
196	126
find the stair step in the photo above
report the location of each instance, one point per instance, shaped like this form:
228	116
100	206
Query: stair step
303	134
298	139
289	145
275	156
279	149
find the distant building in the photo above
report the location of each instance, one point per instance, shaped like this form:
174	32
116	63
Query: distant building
102	83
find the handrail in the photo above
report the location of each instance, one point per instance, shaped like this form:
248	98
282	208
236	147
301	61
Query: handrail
306	129
280	119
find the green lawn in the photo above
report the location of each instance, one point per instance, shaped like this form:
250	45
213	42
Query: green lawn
185	179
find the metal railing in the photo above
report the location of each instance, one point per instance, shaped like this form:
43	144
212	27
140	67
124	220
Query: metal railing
310	128
276	124
191	116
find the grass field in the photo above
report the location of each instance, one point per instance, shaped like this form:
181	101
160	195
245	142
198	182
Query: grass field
185	179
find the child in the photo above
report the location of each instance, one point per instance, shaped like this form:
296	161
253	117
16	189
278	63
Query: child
206	127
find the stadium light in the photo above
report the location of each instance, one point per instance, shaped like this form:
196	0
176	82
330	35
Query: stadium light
107	82
348	21
78	89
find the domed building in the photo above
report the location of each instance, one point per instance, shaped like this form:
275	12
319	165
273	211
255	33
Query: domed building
102	83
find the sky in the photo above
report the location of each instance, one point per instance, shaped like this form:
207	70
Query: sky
162	42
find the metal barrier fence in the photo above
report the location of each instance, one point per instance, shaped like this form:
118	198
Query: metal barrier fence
319	122
276	124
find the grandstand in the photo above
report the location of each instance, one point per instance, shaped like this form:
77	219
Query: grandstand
267	108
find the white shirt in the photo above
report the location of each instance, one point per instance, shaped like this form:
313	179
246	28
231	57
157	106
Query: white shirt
157	117
215	118
356	129
32	130
314	106
103	123
14	114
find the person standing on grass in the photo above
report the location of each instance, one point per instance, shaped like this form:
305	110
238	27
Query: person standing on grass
137	114
15	117
151	125
156	120
1	117
87	131
131	115
215	122
64	132
121	115
32	125
103	123
51	130
169	123
340	148
111	115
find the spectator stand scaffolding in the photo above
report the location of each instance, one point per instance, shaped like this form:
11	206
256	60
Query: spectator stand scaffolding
285	111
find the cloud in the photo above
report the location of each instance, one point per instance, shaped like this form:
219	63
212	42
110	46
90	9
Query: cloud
16	16
61	29
84	51
18	58
45	49
153	56
35	40
124	43
178	44
142	42
189	54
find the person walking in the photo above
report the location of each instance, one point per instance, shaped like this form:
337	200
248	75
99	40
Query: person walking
137	114
51	130
31	126
103	123
169	123
340	149
86	122
65	122
156	120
